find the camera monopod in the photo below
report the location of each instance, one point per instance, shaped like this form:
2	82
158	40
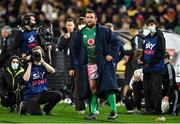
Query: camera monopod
49	55
71	93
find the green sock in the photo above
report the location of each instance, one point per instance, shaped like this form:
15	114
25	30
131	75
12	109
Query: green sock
112	101
93	103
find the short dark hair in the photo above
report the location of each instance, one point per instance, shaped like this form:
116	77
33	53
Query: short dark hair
26	18
151	21
69	20
167	56
91	11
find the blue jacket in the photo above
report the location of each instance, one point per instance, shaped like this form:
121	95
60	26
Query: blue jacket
153	53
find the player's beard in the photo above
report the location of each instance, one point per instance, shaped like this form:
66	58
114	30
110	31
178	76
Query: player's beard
91	24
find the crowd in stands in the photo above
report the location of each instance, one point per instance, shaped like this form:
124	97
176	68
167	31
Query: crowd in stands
120	13
42	51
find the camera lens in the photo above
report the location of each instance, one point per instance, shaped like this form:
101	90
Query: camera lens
43	30
36	56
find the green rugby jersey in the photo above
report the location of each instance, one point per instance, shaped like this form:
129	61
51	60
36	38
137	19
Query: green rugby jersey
89	41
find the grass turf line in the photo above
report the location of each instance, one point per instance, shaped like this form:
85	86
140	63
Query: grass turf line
69	115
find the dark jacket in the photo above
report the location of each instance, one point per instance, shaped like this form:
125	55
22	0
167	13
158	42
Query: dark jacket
64	47
107	43
153	53
10	80
169	81
132	63
5	46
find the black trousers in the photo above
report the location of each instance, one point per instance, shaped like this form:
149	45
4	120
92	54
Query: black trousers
152	84
138	95
174	101
79	103
49	98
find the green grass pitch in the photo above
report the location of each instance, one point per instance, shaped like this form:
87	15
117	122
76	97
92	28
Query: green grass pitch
69	115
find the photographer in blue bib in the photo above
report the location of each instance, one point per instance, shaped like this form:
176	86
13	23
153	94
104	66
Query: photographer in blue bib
153	65
36	90
27	36
31	35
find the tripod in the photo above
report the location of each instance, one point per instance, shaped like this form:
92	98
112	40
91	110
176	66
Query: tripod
18	98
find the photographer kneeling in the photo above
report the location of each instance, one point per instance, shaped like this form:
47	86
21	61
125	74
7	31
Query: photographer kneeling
36	91
11	82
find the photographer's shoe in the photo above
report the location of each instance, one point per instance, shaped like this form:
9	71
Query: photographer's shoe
22	108
113	115
82	111
46	113
92	116
11	109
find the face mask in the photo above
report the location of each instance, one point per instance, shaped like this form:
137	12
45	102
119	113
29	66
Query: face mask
81	26
14	66
152	29
146	32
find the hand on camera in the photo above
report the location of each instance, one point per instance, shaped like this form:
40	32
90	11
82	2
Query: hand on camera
23	55
28	59
41	60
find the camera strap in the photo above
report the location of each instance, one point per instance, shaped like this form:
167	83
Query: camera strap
59	39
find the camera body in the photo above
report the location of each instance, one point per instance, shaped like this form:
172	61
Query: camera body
45	33
36	56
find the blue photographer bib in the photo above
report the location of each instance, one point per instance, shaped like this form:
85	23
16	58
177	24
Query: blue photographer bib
37	82
29	41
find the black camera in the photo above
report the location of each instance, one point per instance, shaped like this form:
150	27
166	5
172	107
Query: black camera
36	56
45	33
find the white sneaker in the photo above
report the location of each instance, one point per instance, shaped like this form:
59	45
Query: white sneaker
130	112
62	101
67	100
97	112
82	112
118	104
